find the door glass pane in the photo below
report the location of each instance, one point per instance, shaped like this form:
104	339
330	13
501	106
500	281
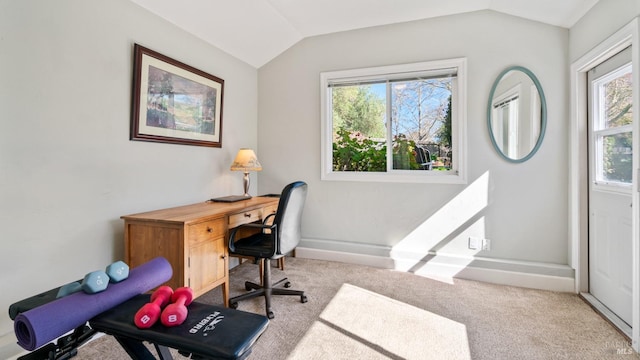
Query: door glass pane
612	126
616	158
617	98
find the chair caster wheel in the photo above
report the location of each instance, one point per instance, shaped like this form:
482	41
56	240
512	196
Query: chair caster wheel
303	299
287	284
233	305
270	315
247	287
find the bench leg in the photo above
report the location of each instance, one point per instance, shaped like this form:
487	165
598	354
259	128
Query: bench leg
163	352
137	350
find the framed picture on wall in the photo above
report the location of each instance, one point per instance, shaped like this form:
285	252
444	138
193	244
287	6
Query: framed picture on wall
174	102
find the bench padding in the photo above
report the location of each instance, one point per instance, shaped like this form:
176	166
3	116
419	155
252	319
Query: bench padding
210	332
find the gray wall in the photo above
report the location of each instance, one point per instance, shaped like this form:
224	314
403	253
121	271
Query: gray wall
521	208
67	168
602	21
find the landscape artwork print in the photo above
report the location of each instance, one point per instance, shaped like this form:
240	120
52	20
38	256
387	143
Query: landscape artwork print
174	102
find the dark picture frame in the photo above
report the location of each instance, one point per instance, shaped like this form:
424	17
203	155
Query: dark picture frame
174	102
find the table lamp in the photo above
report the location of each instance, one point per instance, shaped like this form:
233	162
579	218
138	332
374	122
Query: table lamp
246	160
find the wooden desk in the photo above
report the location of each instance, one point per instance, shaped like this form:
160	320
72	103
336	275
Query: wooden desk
193	238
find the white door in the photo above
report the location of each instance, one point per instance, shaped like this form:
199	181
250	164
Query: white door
610	179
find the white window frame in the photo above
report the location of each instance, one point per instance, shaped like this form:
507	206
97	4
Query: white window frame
599	131
457	175
509	97
536	110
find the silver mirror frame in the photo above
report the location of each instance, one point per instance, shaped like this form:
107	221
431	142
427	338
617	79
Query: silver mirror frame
543	113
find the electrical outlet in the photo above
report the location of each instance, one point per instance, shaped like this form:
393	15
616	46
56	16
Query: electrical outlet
486	244
475	243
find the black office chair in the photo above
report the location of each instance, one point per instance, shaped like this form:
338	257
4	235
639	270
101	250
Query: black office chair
423	158
272	242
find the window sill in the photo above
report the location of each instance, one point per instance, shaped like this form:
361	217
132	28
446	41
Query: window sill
431	177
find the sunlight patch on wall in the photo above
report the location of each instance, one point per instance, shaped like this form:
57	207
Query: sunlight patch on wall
446	262
434	237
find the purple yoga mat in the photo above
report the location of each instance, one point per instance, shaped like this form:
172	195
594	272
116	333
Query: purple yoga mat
45	323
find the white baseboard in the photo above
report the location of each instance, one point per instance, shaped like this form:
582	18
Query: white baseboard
345	257
533	275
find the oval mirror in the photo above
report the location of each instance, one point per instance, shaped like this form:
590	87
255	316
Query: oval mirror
516	114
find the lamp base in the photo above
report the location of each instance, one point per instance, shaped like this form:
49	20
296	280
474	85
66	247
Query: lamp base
246	185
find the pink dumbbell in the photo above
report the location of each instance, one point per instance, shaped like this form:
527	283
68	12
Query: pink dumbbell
176	313
150	312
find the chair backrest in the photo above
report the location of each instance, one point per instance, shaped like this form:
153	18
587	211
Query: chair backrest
423	156
419	155
289	216
426	154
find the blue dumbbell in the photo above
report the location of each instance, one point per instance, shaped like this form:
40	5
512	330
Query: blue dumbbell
97	281
117	271
69	289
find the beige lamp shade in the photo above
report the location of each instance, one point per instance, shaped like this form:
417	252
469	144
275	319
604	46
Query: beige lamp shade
246	160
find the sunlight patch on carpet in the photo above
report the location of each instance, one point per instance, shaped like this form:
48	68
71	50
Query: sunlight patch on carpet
358	323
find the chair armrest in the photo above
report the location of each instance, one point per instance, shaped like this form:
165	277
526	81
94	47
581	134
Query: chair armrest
255	226
262	226
267	218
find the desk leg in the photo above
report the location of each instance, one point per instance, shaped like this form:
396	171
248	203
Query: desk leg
225	293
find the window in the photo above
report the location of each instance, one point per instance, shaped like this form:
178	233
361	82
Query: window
401	123
613	129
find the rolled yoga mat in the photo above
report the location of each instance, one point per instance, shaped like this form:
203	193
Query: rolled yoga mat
38	326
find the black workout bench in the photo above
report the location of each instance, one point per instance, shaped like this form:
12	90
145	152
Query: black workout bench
209	332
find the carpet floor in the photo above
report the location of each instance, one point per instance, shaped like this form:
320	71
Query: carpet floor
359	312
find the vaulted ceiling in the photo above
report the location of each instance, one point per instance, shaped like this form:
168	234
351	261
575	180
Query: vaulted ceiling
256	31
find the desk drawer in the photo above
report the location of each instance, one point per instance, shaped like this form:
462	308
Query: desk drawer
206	230
244	217
268	210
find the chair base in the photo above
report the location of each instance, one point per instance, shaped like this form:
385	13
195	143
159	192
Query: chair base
266	290
241	259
